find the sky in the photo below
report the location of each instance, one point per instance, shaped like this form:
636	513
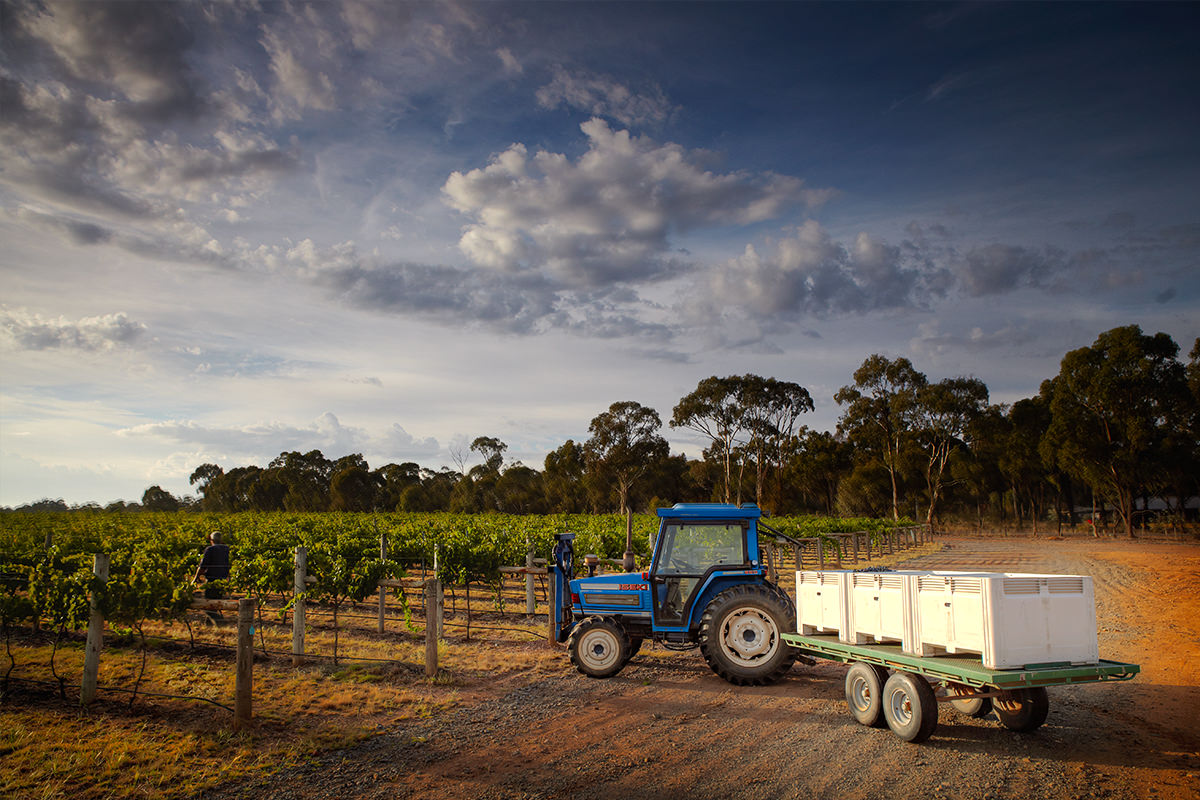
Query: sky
234	229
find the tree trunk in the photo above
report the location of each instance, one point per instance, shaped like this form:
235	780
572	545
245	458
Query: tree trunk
895	494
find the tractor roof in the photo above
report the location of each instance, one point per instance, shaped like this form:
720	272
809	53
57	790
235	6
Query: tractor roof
711	511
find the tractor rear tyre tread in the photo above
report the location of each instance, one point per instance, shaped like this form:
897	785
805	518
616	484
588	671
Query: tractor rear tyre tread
741	634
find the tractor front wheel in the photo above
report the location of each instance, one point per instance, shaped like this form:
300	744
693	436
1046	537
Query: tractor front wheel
599	647
740	634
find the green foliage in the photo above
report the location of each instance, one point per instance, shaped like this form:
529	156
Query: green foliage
153	556
58	590
1112	406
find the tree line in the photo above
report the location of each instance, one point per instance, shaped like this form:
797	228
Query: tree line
1118	424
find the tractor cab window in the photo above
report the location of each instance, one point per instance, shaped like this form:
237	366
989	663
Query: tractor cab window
686	552
692	549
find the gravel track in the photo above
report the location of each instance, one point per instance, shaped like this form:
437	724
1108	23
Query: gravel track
667	727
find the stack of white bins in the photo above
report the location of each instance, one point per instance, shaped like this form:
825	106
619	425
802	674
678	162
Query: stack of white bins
1010	620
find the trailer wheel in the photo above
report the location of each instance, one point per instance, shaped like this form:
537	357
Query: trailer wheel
977	707
740	634
1022	710
910	706
864	693
599	647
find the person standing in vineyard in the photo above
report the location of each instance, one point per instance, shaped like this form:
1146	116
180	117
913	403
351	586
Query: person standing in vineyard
214	566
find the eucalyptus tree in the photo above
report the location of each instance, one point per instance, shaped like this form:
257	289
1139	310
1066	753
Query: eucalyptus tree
942	418
771	410
563	478
491	450
714	409
306	476
353	488
818	462
881	410
623	445
156	498
1020	459
1111	405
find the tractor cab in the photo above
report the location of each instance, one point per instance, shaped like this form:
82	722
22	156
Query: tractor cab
698	545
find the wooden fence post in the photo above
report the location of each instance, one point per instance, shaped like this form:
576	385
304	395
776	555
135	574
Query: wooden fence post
95	635
820	553
854	545
299	587
432	590
244	683
383	554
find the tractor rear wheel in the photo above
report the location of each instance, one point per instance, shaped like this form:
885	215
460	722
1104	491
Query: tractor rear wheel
599	647
740	634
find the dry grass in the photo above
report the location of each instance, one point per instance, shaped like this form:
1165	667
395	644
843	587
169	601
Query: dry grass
173	748
167	748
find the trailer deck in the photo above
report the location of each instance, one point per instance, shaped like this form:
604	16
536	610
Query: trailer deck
905	699
964	669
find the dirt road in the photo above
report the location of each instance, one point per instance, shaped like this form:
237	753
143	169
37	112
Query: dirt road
667	727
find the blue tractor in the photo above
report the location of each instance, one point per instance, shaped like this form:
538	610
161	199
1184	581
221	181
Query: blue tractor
707	586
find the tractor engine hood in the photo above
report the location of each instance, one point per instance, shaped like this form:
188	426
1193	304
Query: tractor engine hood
619	592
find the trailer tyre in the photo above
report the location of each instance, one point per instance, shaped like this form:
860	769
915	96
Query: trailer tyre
599	647
1022	710
864	693
740	634
910	707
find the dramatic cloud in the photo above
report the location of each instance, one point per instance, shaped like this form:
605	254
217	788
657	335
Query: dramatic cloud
126	127
810	273
997	268
138	48
608	216
605	97
20	330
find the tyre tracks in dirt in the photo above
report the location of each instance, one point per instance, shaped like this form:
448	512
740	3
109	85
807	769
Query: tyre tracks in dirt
666	727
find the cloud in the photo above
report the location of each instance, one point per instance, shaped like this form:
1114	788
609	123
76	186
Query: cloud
932	342
106	112
226	363
20	330
810	273
512	65
265	440
603	96
997	268
948	84
609	216
138	49
76	231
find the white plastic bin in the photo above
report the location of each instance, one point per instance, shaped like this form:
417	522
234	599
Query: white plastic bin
881	608
822	602
1011	620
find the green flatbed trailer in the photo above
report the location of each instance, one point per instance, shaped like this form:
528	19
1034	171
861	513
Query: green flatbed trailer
906	700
